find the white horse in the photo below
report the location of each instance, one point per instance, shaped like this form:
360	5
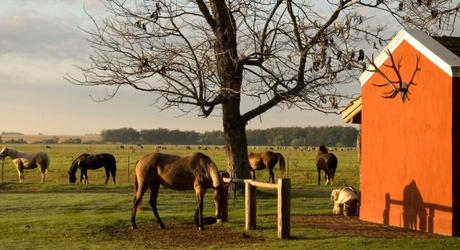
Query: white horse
26	161
346	201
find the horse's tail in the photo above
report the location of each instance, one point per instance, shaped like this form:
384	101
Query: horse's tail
333	161
136	182
113	161
47	162
281	161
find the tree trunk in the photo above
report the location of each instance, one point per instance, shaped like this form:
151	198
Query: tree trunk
235	139
230	73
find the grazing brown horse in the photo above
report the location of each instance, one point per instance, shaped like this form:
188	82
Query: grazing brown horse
192	172
267	159
328	163
26	161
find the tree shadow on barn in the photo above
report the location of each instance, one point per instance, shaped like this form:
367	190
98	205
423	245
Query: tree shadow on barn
414	214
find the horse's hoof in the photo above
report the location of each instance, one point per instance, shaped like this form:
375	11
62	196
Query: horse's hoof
133	227
201	228
219	220
162	226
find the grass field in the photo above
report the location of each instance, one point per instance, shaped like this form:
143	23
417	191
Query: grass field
58	215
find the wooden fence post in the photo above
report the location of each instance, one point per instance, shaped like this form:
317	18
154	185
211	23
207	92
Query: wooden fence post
128	169
224	210
250	200
287	168
284	208
3	163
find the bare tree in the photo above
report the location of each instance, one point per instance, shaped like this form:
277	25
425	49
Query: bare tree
199	55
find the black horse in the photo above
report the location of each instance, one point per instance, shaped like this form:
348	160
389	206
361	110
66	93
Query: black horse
328	162
87	161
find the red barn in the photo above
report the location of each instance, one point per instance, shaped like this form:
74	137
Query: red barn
410	134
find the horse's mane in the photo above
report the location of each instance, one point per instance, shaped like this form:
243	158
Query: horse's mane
13	153
74	165
323	150
206	168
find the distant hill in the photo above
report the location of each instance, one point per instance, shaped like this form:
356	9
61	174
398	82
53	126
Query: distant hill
11	133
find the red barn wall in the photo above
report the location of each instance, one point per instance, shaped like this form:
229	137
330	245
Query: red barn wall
406	165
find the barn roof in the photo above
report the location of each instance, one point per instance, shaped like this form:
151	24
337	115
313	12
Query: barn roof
442	51
352	112
450	42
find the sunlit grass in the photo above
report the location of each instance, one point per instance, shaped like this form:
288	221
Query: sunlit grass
58	215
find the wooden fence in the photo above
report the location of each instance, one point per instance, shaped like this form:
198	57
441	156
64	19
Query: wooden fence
284	203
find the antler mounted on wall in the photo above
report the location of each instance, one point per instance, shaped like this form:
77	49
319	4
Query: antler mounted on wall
398	85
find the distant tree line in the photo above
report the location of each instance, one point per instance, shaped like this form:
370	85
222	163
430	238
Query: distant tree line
54	140
292	136
15	141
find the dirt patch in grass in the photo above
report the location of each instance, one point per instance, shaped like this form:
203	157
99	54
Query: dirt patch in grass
183	235
353	227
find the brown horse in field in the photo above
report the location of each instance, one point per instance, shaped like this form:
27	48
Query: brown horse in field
26	161
267	159
192	172
328	163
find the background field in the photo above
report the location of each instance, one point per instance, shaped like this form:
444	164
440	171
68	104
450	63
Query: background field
300	163
60	215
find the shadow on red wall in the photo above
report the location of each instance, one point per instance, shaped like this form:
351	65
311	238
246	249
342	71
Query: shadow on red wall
415	214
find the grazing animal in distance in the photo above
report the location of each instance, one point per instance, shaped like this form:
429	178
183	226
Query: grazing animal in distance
195	171
267	159
26	161
328	163
88	161
346	201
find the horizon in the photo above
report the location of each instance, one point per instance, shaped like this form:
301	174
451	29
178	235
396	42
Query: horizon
19	133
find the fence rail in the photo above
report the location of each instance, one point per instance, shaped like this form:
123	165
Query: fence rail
284	203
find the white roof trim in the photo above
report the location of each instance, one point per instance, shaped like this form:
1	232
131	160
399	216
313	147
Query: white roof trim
428	46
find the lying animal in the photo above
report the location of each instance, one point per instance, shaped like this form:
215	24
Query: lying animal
346	201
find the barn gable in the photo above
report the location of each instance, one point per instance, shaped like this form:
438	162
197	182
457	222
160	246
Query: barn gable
440	50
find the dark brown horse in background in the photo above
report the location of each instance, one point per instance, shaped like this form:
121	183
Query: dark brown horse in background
328	163
267	159
88	161
192	172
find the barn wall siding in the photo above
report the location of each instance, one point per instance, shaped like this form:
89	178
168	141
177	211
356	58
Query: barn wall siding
406	165
456	156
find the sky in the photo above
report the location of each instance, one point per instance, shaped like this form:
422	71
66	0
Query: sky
40	41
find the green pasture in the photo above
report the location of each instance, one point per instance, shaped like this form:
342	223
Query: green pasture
300	163
58	215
